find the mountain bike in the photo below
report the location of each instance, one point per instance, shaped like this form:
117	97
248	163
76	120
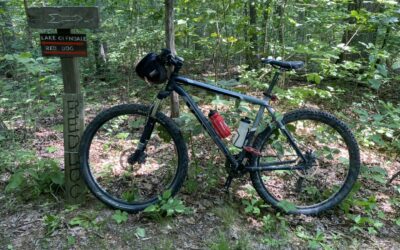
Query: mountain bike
130	154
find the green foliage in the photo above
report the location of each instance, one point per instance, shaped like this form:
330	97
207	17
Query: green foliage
166	207
227	214
314	77
35	178
140	232
254	203
51	149
189	125
397	222
129	196
257	79
287	206
376	174
363	212
251	206
382	128
85	219
357	48
316	241
71	240
120	216
52	223
298	96
275	224
223	243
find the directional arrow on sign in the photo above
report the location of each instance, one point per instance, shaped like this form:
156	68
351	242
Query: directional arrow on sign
57	18
63	17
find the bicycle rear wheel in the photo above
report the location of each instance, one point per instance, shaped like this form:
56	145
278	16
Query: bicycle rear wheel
334	163
111	138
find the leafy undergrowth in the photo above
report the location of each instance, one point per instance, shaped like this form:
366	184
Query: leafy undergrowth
202	216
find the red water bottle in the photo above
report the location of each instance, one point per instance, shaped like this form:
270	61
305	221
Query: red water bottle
219	124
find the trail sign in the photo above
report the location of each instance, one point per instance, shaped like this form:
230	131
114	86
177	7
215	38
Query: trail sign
63	17
68	46
63	45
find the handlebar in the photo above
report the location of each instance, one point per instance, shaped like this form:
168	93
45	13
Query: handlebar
167	58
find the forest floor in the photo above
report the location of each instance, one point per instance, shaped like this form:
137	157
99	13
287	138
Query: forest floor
216	220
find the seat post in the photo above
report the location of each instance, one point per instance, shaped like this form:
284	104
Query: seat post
268	92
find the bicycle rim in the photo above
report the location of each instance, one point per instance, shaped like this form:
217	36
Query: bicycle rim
323	183
142	182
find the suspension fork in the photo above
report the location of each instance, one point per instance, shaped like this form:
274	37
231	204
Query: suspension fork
139	154
151	118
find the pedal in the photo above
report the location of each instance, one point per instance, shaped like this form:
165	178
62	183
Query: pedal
228	183
252	151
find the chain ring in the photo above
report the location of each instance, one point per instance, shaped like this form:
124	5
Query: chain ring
230	171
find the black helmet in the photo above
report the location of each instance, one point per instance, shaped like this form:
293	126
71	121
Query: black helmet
151	69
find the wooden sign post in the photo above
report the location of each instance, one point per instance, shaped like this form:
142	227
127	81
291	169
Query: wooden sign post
69	47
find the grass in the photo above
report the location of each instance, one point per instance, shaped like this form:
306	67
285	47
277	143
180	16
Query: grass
227	214
222	242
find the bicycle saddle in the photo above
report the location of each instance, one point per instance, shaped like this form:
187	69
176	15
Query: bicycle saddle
284	64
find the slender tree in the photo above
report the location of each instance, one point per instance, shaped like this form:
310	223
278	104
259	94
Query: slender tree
359	32
170	43
3	127
253	23
28	29
266	23
7	32
281	7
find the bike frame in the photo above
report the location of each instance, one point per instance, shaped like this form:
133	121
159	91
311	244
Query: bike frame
175	84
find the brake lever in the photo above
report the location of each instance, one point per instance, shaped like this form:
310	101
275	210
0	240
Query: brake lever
165	55
175	60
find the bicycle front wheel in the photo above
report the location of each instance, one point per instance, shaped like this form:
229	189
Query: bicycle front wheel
333	163
111	138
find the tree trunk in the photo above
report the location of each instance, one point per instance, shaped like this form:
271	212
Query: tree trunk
100	50
3	127
281	29
301	31
353	36
266	16
251	32
28	29
96	45
253	24
245	34
100	56
6	30
170	43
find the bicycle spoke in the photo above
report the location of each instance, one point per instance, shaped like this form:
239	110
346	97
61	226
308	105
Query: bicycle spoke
308	182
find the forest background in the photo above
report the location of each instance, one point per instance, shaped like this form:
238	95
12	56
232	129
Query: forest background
352	53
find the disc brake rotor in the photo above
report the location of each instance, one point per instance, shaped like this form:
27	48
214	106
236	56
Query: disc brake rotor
123	160
312	166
